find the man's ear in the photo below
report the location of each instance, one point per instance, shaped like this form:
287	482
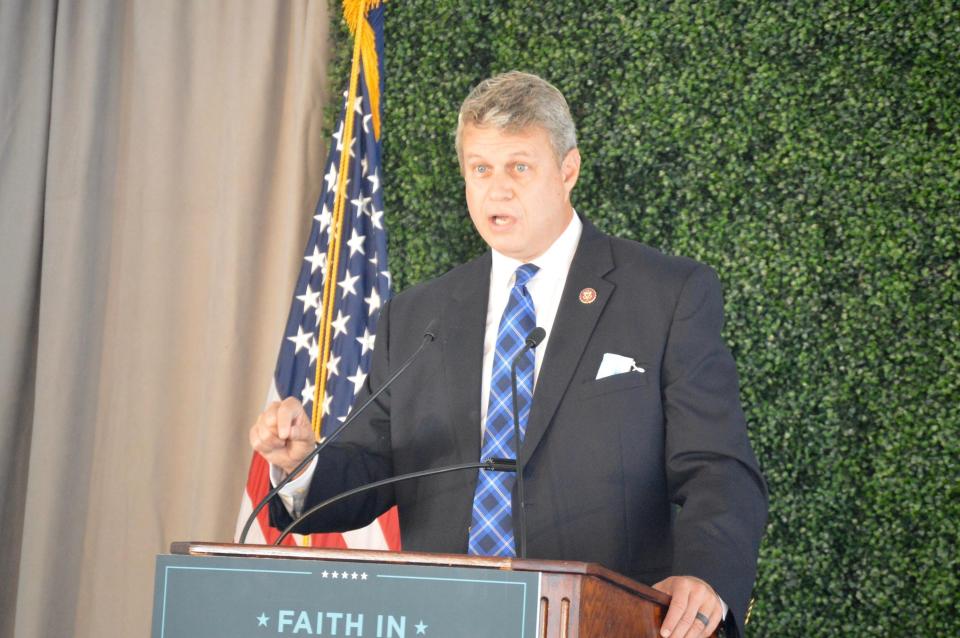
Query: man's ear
570	169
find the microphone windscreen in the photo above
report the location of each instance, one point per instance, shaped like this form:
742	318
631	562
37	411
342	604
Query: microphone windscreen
535	337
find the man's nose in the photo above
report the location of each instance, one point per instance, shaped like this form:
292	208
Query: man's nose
501	189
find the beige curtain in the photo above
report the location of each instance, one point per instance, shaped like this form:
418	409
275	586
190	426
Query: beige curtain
159	163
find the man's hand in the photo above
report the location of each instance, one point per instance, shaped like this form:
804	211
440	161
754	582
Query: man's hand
693	601
283	435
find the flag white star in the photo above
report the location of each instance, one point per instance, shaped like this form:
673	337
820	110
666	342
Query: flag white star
361	203
358	104
375	217
339	136
340	323
375	180
386	273
358	380
349	285
331	178
306	395
325	217
310	299
324	269
327	400
373	301
302	340
317	260
356	242
366	122
333	366
366	341
363	165
313	350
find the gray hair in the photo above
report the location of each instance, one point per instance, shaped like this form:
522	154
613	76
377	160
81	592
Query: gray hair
515	101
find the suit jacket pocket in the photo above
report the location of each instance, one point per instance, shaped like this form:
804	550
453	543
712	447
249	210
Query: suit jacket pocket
613	383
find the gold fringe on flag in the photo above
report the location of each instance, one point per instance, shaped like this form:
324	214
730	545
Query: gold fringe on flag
362	31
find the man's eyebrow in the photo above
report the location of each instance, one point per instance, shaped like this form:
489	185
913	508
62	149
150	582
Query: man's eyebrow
511	155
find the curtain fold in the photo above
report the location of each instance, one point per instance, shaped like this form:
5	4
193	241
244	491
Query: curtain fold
152	224
26	64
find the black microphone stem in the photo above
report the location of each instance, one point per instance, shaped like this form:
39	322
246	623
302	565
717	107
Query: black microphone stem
522	535
532	341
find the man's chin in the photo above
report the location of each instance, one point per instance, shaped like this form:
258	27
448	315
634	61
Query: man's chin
520	252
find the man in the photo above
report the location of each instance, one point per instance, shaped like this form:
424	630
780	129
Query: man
635	448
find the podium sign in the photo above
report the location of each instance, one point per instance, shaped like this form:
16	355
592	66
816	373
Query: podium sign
236	597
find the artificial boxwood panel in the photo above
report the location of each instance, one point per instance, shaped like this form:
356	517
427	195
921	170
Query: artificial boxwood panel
809	152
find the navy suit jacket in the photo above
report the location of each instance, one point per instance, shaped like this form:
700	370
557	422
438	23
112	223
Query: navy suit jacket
650	474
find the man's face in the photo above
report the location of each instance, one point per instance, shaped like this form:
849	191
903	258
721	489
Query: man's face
519	198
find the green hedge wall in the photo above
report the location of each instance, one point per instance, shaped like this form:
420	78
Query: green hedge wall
808	151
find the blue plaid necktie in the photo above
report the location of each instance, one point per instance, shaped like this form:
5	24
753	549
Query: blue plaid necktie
491	533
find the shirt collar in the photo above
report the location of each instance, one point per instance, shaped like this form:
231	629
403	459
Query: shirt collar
553	264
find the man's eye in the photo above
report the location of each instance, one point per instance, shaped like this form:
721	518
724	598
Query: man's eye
520	167
480	170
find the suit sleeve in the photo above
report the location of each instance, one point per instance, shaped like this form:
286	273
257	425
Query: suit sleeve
361	455
712	473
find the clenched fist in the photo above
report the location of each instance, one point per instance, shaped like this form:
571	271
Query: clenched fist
283	434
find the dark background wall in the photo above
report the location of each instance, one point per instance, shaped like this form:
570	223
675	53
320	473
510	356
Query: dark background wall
810	152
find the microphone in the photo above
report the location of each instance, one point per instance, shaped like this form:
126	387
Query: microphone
495	465
532	341
429	334
535	338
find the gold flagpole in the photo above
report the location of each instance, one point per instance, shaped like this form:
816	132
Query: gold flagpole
365	53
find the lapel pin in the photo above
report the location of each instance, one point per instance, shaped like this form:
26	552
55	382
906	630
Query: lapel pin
588	295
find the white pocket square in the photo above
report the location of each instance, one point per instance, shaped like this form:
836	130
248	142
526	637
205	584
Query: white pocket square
617	364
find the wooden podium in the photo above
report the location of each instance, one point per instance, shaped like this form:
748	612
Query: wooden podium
575	599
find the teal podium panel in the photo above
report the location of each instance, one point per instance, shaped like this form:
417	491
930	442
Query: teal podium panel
214	597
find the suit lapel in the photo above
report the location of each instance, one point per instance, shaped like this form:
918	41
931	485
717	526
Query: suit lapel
572	329
464	321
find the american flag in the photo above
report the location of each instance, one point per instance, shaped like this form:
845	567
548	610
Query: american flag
355	295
